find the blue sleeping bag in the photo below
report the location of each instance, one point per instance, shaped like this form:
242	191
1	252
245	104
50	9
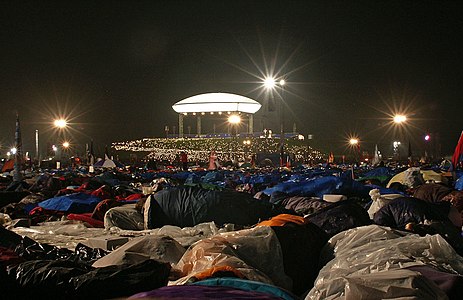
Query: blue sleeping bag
76	203
320	186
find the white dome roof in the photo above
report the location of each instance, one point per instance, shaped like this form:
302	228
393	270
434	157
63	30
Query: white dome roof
217	102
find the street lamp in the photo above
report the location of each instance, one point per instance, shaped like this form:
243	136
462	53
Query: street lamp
271	83
65	153
399	119
234	120
355	142
247	144
60	123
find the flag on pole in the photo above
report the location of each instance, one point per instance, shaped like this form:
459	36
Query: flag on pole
457	154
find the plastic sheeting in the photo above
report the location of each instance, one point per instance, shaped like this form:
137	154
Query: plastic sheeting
158	247
368	261
124	217
64	234
256	253
379	201
65	279
68	234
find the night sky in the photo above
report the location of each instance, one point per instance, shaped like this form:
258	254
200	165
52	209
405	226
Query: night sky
115	68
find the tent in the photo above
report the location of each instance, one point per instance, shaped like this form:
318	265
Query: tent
8	166
428	175
108	163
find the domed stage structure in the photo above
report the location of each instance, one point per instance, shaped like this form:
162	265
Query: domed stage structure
215	103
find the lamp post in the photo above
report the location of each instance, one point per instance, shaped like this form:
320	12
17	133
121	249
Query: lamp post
247	144
355	142
271	83
427	139
399	120
233	120
60	124
66	146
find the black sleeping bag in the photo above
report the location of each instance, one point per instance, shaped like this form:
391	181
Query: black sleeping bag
301	246
401	211
188	206
340	216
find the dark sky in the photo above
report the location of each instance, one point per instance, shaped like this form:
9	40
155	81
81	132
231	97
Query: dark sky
115	68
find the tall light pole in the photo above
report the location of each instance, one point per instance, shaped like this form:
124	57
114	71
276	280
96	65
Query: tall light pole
60	124
399	120
234	120
271	83
355	142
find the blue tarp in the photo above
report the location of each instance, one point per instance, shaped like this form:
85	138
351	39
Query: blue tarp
74	203
382	171
320	186
459	183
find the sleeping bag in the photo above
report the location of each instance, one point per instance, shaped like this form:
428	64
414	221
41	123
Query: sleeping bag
188	206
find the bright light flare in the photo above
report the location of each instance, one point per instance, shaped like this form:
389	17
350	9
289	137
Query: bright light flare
353	141
269	82
13	151
282	82
234	119
398	119
427	137
60	123
66	144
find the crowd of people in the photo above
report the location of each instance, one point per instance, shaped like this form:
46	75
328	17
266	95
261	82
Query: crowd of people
225	148
289	216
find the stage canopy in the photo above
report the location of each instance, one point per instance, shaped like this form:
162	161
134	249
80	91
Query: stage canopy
216	102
